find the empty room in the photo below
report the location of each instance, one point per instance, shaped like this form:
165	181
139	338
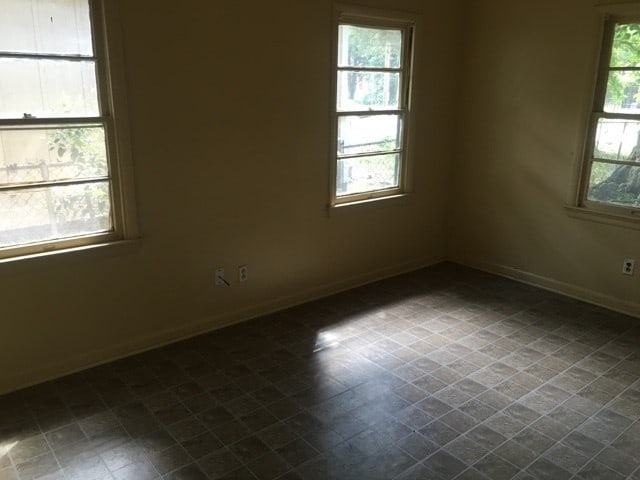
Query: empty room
314	240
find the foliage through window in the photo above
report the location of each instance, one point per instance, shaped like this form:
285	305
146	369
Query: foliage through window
612	169
57	157
373	60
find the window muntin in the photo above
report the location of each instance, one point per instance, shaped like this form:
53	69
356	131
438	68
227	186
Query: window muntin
57	147
373	59
612	166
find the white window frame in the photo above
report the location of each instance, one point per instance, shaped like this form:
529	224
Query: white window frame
113	118
370	17
605	212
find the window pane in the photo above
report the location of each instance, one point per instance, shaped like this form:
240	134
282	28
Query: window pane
623	95
367	174
626	45
42	214
52	154
619	184
368	90
369	47
617	139
45	26
366	134
47	88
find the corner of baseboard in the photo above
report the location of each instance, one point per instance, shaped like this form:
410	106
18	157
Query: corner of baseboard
553	285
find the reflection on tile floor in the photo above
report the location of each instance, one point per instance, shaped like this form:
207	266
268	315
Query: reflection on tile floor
440	374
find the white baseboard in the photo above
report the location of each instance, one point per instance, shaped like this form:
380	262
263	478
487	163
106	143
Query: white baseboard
556	286
76	363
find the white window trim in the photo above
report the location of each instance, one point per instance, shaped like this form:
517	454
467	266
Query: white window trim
110	78
583	208
409	23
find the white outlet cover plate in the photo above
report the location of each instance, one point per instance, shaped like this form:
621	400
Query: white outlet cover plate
243	273
628	266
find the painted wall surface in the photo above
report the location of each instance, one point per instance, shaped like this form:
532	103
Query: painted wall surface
229	105
527	84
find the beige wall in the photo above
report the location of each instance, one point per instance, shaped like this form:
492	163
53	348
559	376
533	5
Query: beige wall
229	110
527	80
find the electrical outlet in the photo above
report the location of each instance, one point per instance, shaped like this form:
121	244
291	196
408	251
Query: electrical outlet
220	276
628	266
243	273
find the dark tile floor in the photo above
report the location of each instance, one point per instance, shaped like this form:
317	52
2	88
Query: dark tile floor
439	374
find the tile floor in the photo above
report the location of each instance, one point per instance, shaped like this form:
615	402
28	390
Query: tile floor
440	374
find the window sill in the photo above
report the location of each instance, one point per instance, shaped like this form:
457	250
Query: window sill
73	254
615	219
369	204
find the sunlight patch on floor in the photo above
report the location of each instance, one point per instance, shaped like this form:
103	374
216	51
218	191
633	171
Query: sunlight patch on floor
6	447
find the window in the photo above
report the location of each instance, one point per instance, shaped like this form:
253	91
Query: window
611	174
373	57
61	162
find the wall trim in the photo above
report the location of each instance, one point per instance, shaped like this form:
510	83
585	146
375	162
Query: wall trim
145	343
168	336
546	283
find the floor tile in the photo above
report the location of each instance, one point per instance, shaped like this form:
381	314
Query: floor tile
441	373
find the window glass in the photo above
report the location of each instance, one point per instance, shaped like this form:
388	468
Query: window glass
48	154
366	134
371	116
617	139
623	87
625	50
615	184
47	88
364	90
55	167
43	214
368	173
369	47
46	27
614	163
